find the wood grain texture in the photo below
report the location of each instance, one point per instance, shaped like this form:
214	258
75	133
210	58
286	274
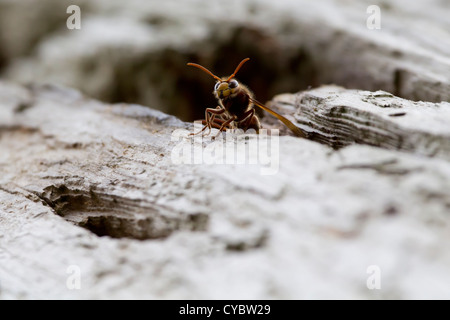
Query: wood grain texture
339	117
94	187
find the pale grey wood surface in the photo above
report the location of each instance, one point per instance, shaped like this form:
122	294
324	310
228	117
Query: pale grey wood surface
310	230
339	117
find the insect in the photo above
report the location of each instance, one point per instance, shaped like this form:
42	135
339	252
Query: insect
236	106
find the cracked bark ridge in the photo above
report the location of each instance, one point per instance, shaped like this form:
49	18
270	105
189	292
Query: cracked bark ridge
339	117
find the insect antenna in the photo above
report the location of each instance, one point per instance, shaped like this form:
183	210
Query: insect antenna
204	69
237	69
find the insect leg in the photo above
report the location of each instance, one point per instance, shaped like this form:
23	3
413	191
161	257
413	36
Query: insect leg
210	117
217	111
216	123
244	123
226	123
250	121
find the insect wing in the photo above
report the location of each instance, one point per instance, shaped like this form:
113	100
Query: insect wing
296	130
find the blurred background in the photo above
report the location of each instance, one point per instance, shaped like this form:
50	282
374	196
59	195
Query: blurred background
136	51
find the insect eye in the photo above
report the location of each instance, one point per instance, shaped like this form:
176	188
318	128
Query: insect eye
233	84
216	87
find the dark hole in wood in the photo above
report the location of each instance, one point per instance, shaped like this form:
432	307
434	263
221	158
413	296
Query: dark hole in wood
119	218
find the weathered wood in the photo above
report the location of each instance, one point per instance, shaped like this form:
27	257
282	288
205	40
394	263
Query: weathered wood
137	51
311	230
98	189
340	117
